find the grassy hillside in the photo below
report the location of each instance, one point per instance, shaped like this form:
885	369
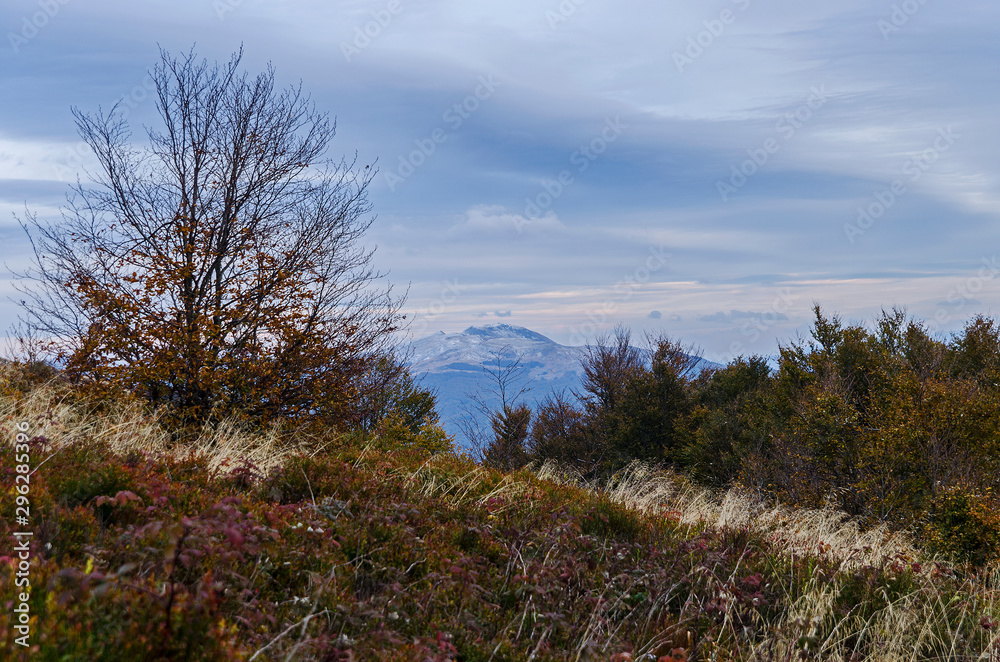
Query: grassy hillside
335	549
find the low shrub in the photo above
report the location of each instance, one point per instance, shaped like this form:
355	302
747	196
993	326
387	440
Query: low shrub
965	526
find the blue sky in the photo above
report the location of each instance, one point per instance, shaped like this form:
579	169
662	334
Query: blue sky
699	168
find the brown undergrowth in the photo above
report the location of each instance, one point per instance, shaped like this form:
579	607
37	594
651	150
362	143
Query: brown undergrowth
265	547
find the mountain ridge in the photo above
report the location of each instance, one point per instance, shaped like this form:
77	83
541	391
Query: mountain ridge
454	365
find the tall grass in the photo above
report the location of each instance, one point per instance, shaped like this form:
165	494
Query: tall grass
930	621
799	530
125	427
526	540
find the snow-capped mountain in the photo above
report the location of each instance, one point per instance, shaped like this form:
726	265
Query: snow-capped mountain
452	365
542	358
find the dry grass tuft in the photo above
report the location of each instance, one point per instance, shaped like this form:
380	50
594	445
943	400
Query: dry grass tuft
125	427
800	530
925	617
940	617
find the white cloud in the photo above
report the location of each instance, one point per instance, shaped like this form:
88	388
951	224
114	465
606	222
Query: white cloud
462	219
493	219
42	160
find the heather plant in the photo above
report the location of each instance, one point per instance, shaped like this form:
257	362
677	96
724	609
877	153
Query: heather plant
348	550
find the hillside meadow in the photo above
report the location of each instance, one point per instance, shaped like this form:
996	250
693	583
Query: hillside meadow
269	546
237	460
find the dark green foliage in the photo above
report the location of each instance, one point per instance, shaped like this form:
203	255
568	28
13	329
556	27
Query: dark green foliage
882	419
879	420
561	432
633	408
649	422
85	485
608	520
506	451
391	394
730	420
357	553
965	526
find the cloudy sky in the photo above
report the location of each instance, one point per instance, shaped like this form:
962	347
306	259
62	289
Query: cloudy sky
709	169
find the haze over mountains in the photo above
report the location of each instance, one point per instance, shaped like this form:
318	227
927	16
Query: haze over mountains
452	365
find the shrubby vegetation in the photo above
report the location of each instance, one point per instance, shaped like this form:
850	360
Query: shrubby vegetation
233	462
355	548
886	423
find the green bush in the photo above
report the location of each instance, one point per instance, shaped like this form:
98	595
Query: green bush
966	527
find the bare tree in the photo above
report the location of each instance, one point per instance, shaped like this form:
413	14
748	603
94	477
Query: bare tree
502	445
218	268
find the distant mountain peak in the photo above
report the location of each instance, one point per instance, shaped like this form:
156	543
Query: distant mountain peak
500	330
451	365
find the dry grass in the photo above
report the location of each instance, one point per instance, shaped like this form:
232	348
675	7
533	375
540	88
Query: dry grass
800	530
124	427
922	620
924	617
